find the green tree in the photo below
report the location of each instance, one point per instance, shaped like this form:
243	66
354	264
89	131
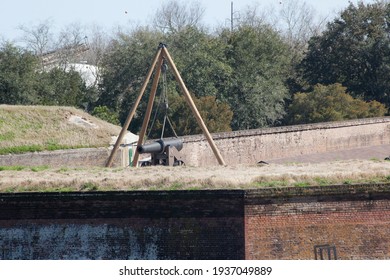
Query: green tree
202	63
61	88
247	69
354	50
124	67
260	62
17	75
199	58
22	82
330	103
216	115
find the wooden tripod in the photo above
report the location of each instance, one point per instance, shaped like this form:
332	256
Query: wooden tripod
162	53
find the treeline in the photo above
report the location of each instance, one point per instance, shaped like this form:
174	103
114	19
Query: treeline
263	72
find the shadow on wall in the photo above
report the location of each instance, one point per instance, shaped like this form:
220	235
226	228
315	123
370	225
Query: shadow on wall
128	225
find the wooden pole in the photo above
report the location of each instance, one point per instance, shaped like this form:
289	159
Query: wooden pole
134	108
148	110
194	110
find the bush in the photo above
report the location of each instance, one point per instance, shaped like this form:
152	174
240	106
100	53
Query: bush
330	103
104	113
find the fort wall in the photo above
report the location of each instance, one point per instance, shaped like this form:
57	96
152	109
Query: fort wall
343	222
237	147
252	146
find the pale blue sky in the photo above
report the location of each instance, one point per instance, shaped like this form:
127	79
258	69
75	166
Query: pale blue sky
109	14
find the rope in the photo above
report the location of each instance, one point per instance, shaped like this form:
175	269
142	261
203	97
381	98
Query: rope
155	116
173	130
163	98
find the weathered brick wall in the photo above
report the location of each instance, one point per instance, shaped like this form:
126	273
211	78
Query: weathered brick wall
126	225
279	223
289	225
252	146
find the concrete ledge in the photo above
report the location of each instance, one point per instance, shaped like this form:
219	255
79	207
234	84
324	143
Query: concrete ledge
87	157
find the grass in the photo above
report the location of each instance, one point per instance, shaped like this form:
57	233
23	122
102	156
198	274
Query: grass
308	181
103	179
39	168
18	189
322	181
12	168
95	186
89	186
8	136
21	168
37	128
302	184
176	186
37	148
43	178
271	184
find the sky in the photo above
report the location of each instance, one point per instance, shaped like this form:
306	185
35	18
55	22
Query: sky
113	13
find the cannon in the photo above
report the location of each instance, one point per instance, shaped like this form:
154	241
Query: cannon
163	152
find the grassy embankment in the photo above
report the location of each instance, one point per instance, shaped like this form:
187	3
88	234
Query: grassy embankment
38	128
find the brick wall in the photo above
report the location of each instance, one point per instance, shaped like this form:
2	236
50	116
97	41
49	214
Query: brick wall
124	225
279	223
356	221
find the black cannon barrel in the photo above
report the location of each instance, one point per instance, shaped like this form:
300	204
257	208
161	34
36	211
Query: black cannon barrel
160	145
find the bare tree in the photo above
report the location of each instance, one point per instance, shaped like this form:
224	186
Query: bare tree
97	43
174	16
71	44
298	22
254	15
38	37
2	41
67	47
